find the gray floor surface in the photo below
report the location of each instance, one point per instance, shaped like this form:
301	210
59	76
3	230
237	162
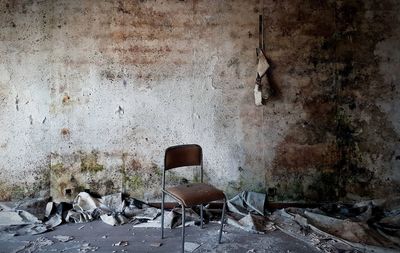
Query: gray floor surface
97	236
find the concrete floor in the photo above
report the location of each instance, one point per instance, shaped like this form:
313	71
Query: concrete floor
100	237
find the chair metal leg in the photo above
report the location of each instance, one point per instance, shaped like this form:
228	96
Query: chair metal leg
201	216
222	221
162	215
183	228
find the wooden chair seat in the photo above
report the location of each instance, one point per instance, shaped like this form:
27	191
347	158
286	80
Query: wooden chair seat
196	193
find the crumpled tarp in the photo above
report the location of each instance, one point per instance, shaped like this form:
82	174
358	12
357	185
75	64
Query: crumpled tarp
112	209
17	219
370	226
248	202
248	212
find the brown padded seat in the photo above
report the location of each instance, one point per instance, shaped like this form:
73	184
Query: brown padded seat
196	194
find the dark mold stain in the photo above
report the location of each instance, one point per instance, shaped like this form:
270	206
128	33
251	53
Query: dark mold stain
327	153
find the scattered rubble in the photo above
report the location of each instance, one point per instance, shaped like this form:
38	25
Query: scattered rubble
63	238
360	227
36	246
87	248
121	243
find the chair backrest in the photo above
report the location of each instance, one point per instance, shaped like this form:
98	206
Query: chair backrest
183	155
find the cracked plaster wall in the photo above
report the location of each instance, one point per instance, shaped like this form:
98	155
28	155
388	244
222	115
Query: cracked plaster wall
91	94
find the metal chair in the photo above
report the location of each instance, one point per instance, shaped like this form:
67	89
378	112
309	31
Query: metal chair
193	194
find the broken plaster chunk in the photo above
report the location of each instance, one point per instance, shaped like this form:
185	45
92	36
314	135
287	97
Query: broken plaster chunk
86	248
121	243
156	244
63	238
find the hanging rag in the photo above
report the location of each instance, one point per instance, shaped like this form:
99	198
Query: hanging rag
261	79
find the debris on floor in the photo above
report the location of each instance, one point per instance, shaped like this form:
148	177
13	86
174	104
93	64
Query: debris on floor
121	243
359	227
63	238
87	248
247	212
246	202
18	217
36	245
367	226
156	244
191	246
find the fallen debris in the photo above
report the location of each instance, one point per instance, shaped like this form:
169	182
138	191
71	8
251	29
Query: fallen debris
156	244
87	248
36	246
335	227
366	226
18	217
63	238
246	202
114	219
121	243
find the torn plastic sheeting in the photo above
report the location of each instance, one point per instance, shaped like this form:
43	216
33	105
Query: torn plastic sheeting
112	209
325	242
250	223
114	202
359	225
357	232
78	216
246	202
140	210
29	229
114	219
18	217
54	221
84	202
172	219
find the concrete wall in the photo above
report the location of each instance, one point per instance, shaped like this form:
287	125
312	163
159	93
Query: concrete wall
92	92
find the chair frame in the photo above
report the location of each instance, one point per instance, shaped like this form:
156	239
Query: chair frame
164	191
